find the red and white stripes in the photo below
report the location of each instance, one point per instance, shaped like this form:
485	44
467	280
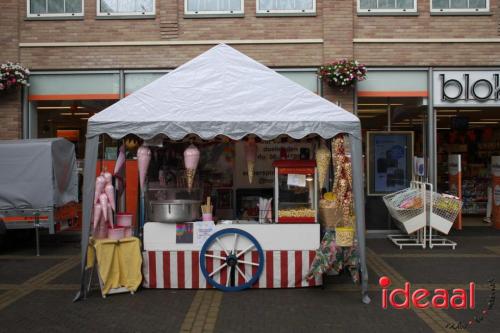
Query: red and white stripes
181	269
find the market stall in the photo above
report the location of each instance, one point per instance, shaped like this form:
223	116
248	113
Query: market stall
224	95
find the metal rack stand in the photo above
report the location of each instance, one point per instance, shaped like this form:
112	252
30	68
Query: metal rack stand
422	224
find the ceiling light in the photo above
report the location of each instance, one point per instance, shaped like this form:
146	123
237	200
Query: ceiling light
483	122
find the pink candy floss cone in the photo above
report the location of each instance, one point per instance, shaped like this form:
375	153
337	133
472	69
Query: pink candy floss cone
191	159
110	193
120	161
143	159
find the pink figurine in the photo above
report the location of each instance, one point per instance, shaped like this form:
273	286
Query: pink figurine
143	159
110	217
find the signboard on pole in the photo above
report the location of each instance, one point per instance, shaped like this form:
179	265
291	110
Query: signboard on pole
455	181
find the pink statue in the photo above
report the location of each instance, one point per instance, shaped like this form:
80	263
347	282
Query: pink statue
191	159
143	158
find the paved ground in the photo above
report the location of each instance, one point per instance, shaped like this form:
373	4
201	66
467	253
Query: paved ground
36	295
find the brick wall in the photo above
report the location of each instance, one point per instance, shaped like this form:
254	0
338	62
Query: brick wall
10	115
426	26
10	102
430	54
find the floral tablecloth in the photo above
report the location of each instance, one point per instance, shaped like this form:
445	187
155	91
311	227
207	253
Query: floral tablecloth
330	257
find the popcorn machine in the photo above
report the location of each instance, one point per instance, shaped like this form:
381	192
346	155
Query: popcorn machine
295	191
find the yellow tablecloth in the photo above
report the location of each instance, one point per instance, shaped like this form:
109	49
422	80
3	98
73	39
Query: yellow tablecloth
119	262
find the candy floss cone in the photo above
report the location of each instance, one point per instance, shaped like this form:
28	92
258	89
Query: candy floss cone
143	159
250	156
322	163
191	159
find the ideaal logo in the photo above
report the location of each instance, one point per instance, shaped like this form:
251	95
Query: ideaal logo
439	298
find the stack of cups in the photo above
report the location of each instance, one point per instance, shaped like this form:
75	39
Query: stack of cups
124	220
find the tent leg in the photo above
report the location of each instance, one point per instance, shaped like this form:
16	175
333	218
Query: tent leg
359	207
90	162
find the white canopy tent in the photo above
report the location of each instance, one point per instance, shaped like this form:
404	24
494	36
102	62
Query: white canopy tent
224	92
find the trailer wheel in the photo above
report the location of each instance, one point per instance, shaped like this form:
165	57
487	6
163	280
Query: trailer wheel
238	273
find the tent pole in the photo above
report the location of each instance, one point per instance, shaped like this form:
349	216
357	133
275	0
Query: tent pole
90	162
359	206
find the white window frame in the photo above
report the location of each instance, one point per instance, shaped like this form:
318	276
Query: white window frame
214	12
286	11
388	10
460	10
30	15
101	14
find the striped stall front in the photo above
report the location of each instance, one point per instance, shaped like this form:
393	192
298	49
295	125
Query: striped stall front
181	269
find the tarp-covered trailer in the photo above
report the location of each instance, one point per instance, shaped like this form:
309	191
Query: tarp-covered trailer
38	182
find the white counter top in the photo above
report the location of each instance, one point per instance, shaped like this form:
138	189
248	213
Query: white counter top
162	236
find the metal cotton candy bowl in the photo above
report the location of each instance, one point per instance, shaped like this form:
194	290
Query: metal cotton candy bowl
173	211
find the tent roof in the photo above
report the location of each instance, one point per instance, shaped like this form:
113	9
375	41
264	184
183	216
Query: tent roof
223	92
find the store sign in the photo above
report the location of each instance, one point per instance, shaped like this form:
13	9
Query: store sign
457	88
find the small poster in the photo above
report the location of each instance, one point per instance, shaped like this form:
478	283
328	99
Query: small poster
184	233
203	230
296	180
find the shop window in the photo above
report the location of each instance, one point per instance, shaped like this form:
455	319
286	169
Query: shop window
387	6
55	8
457	6
286	6
125	7
209	7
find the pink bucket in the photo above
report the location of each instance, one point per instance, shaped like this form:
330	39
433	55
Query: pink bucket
116	233
124	220
128	231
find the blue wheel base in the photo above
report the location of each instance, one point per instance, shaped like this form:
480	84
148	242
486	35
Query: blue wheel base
209	243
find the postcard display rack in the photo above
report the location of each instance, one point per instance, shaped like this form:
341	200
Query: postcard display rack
421	213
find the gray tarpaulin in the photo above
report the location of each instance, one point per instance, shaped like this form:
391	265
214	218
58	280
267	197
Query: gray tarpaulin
223	92
37	174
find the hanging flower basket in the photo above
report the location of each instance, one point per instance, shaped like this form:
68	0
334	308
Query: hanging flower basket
342	73
13	75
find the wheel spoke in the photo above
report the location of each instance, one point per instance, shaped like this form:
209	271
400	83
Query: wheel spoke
245	250
217	270
248	263
235	241
228	281
215	256
221	245
242	274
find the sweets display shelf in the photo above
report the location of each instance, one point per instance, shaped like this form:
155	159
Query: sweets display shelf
419	211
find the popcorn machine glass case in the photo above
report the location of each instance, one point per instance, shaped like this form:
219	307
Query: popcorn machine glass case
295	191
